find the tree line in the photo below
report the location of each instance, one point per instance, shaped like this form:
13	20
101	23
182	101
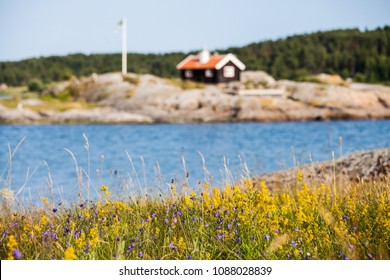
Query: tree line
361	55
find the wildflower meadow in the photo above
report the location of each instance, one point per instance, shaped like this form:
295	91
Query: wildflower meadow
245	221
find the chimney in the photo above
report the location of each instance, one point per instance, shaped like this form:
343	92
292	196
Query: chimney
204	56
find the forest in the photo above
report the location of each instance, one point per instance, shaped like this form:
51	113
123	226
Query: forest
363	56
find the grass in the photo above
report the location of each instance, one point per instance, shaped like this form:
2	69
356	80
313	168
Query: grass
187	84
61	102
244	221
134	80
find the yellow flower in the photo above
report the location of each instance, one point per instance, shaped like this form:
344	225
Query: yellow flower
188	201
104	188
181	245
11	246
70	254
299	176
93	237
81	242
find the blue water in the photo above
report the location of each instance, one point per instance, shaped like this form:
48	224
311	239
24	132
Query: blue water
158	152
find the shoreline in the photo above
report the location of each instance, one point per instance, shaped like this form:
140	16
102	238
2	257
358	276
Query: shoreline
112	99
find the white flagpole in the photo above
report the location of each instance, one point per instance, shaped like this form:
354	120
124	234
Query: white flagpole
124	49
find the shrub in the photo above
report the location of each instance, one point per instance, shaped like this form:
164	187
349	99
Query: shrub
35	85
130	79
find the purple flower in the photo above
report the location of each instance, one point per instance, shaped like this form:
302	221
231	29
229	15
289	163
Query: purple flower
206	225
171	246
350	246
226	212
147	219
296	230
46	235
66	230
220	236
153	215
346	258
194	219
229	226
54	236
252	238
140	254
189	257
345	218
5	233
14	224
216	214
77	233
16	254
141	229
81	205
370	256
87	248
238	241
276	230
267	237
54	210
293	243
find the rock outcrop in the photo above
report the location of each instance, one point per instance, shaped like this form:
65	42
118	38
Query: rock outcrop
147	98
360	166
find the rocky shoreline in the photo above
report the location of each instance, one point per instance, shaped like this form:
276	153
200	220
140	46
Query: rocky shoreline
150	99
356	167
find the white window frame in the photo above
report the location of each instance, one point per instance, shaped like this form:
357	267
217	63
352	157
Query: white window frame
229	71
209	73
189	74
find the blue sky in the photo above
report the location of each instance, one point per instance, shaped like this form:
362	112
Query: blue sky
33	28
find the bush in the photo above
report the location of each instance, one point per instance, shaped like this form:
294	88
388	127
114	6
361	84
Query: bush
35	85
130	79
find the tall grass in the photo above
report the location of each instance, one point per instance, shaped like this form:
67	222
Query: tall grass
239	220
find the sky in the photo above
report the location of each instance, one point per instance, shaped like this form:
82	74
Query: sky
34	28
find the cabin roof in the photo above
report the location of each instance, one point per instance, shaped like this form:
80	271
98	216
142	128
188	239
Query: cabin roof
192	62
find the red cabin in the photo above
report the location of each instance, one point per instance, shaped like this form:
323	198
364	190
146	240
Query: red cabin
207	68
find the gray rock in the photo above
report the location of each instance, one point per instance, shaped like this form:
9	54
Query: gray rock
359	166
